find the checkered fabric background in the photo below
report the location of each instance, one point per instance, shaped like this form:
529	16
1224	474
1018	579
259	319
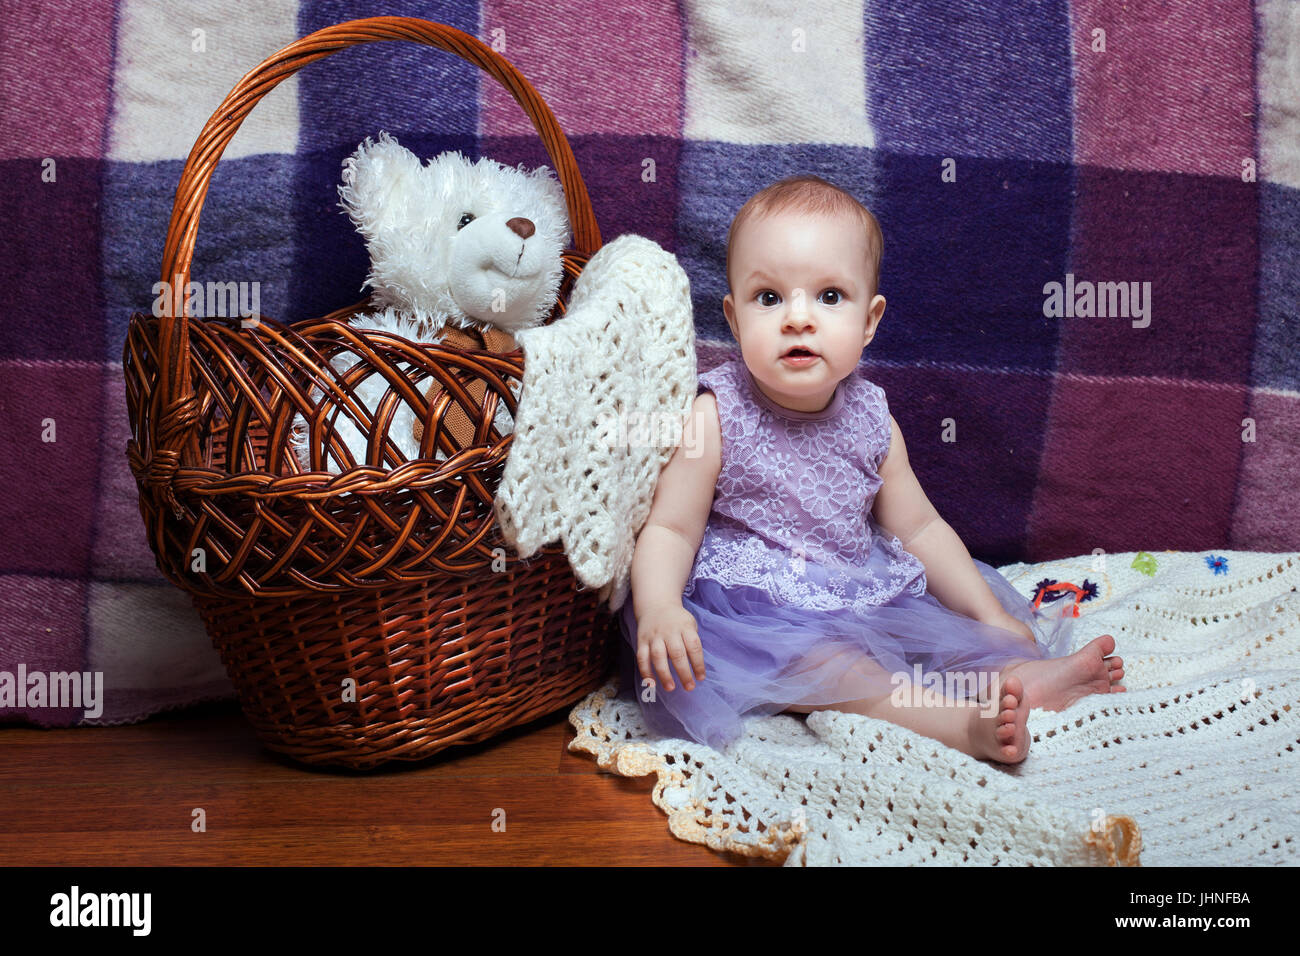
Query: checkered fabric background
1108	140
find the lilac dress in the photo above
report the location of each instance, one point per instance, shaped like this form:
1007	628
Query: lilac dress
798	595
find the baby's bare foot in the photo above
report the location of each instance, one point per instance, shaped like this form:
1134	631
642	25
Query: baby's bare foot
1004	738
1056	684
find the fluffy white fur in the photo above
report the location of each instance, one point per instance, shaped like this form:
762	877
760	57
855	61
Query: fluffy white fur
442	254
430	270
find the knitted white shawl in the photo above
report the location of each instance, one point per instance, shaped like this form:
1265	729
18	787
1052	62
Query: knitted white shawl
606	390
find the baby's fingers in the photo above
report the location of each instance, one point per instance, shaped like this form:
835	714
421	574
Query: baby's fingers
695	651
643	662
681	662
660	657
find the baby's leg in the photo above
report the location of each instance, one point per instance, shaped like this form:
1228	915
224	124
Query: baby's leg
965	725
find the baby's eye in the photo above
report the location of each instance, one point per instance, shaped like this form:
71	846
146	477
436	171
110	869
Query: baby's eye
465	220
833	292
766	292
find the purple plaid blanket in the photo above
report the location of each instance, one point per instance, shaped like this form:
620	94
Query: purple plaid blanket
1091	212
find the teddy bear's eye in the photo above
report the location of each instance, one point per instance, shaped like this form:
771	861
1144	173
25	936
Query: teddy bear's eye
465	220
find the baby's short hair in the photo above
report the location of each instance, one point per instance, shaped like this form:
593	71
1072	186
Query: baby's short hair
810	194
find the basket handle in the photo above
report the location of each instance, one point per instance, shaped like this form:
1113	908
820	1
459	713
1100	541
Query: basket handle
174	410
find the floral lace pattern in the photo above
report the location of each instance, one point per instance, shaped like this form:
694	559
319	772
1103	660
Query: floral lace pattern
792	509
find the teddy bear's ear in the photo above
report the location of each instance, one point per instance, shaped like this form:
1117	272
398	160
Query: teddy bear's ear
378	180
552	191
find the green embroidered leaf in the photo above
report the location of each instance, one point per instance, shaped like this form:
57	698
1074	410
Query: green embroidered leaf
1145	562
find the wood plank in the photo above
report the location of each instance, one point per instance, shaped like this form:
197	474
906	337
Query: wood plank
124	796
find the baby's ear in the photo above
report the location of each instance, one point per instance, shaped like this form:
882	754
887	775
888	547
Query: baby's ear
378	181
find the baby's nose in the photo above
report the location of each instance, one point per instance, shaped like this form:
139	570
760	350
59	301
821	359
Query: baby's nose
798	311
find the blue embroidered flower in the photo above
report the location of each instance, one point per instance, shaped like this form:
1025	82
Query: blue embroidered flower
1217	563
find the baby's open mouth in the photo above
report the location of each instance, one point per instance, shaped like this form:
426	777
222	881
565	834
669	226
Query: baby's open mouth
797	351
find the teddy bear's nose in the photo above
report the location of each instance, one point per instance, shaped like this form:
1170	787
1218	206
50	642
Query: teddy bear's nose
521	227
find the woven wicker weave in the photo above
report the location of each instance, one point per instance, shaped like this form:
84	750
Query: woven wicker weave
376	614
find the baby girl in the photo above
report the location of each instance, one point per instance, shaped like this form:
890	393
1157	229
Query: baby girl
791	561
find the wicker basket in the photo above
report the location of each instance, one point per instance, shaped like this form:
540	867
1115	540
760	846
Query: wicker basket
375	614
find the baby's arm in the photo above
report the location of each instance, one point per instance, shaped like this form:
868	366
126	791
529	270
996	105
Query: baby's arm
902	509
667	545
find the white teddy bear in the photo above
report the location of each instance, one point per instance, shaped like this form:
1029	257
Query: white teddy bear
606	389
453	245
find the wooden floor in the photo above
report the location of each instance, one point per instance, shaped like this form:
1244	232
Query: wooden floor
126	796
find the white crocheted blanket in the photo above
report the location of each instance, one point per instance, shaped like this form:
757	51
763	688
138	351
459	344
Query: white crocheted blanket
606	390
1197	763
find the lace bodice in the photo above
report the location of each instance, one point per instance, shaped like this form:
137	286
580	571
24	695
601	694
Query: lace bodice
791	510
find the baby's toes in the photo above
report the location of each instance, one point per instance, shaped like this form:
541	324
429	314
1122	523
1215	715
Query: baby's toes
1006	730
1117	675
1105	643
1012	690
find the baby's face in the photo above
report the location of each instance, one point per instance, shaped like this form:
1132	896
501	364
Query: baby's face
801	281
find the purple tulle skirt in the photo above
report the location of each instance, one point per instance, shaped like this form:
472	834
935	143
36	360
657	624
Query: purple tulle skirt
762	657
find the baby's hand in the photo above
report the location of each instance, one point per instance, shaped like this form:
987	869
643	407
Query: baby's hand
669	632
